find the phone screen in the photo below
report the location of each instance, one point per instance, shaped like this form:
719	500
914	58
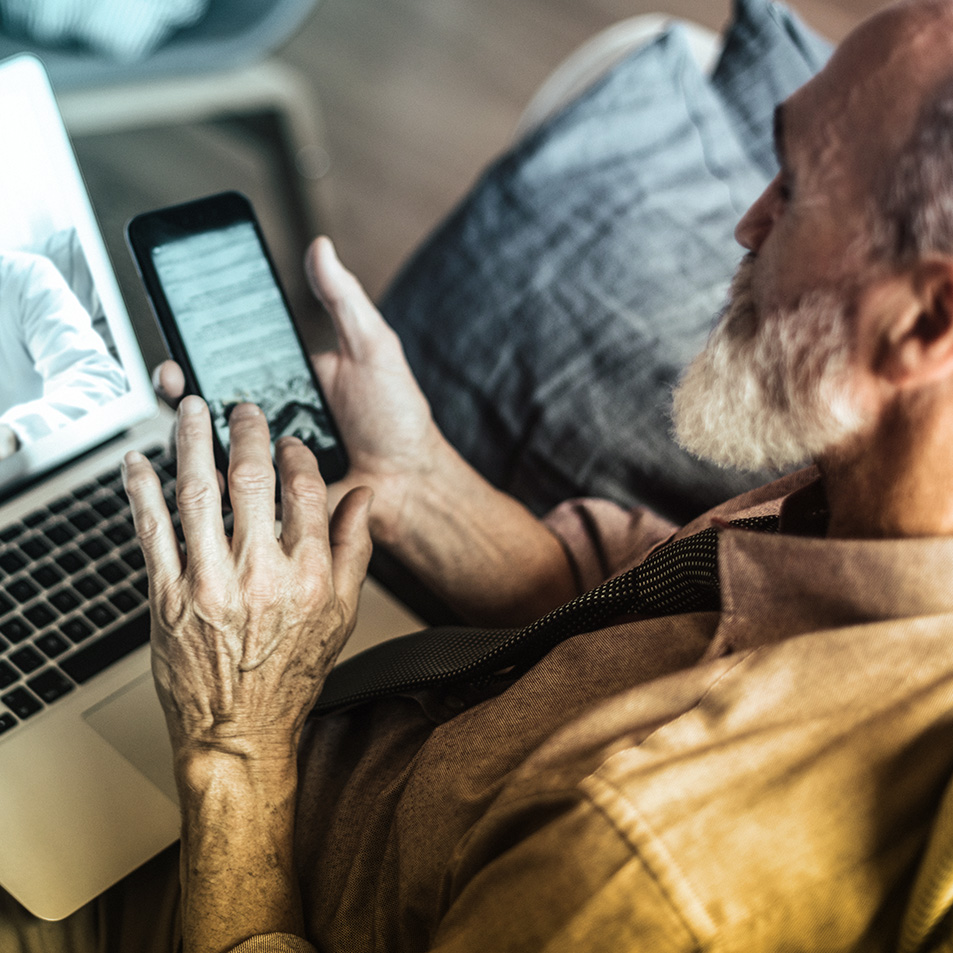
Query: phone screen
238	333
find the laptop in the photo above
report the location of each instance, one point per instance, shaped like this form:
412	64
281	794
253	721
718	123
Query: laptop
86	787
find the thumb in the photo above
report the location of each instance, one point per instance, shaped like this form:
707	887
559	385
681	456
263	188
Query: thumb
356	319
351	545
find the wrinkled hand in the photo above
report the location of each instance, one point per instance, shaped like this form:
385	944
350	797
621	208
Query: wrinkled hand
245	629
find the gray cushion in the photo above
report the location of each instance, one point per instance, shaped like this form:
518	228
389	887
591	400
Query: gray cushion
768	53
549	317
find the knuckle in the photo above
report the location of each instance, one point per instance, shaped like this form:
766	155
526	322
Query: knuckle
208	592
304	487
249	476
260	587
195	493
148	528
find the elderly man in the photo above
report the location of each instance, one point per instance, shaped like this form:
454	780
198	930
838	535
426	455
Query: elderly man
754	777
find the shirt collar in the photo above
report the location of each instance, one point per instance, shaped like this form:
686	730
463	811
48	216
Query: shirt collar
778	585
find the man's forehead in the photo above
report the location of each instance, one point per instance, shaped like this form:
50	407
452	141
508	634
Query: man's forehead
882	72
862	105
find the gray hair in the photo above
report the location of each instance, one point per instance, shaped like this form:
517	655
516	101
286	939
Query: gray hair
911	207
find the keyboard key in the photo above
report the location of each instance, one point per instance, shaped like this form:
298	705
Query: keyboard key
83	519
76	630
7	721
119	533
60	503
126	600
4	645
100	615
22	703
50	685
106	506
94	547
98	655
27	659
5	604
113	572
51	644
22	590
34	518
15	628
35	547
71	561
65	600
9	534
142	585
81	492
89	586
40	615
46	575
167	472
60	533
134	558
8	674
11	561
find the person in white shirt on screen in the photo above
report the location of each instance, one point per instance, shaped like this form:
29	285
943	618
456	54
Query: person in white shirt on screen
54	366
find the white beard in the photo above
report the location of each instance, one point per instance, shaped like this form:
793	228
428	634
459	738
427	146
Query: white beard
772	396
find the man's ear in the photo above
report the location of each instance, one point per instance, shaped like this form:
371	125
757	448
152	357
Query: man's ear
916	309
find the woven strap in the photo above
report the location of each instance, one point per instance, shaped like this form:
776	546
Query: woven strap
680	577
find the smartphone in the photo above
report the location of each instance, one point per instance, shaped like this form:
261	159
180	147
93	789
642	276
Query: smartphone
225	319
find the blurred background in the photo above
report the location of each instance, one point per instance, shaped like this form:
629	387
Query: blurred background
384	112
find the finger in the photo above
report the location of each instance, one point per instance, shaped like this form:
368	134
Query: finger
251	476
196	486
356	319
351	545
304	503
173	438
168	381
150	514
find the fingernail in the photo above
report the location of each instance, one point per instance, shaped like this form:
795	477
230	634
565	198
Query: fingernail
191	405
243	411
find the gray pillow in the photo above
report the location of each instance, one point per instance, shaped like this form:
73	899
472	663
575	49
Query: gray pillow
549	317
768	53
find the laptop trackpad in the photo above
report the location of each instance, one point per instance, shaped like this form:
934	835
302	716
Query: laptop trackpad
132	721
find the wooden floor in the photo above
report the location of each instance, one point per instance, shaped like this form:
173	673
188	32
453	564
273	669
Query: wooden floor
417	97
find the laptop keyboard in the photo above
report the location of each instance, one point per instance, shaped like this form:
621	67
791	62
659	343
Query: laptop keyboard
73	592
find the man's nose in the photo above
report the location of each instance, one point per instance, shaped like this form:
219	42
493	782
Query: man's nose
757	222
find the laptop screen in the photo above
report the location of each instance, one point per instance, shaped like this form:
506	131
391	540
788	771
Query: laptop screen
71	373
